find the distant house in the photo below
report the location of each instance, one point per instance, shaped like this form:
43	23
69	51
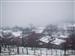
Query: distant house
51	42
71	28
39	30
44	41
63	37
17	34
1	35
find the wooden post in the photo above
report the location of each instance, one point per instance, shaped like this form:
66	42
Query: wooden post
27	50
40	51
17	50
34	51
0	49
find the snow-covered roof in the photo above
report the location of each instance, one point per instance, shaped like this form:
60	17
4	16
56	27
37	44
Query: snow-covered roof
63	36
71	25
39	29
7	31
55	36
16	34
45	39
58	41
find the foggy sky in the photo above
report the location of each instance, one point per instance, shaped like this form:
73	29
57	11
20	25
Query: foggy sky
36	0
74	11
37	13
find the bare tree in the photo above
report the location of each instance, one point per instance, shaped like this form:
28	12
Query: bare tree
50	29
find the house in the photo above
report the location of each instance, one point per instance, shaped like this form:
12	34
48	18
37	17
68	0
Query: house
46	39
17	34
57	41
39	29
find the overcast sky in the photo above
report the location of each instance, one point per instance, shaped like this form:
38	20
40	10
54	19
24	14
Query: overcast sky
36	0
37	13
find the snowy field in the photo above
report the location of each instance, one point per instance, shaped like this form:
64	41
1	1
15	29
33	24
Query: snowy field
27	51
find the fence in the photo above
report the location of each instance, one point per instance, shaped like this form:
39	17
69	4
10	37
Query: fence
36	51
